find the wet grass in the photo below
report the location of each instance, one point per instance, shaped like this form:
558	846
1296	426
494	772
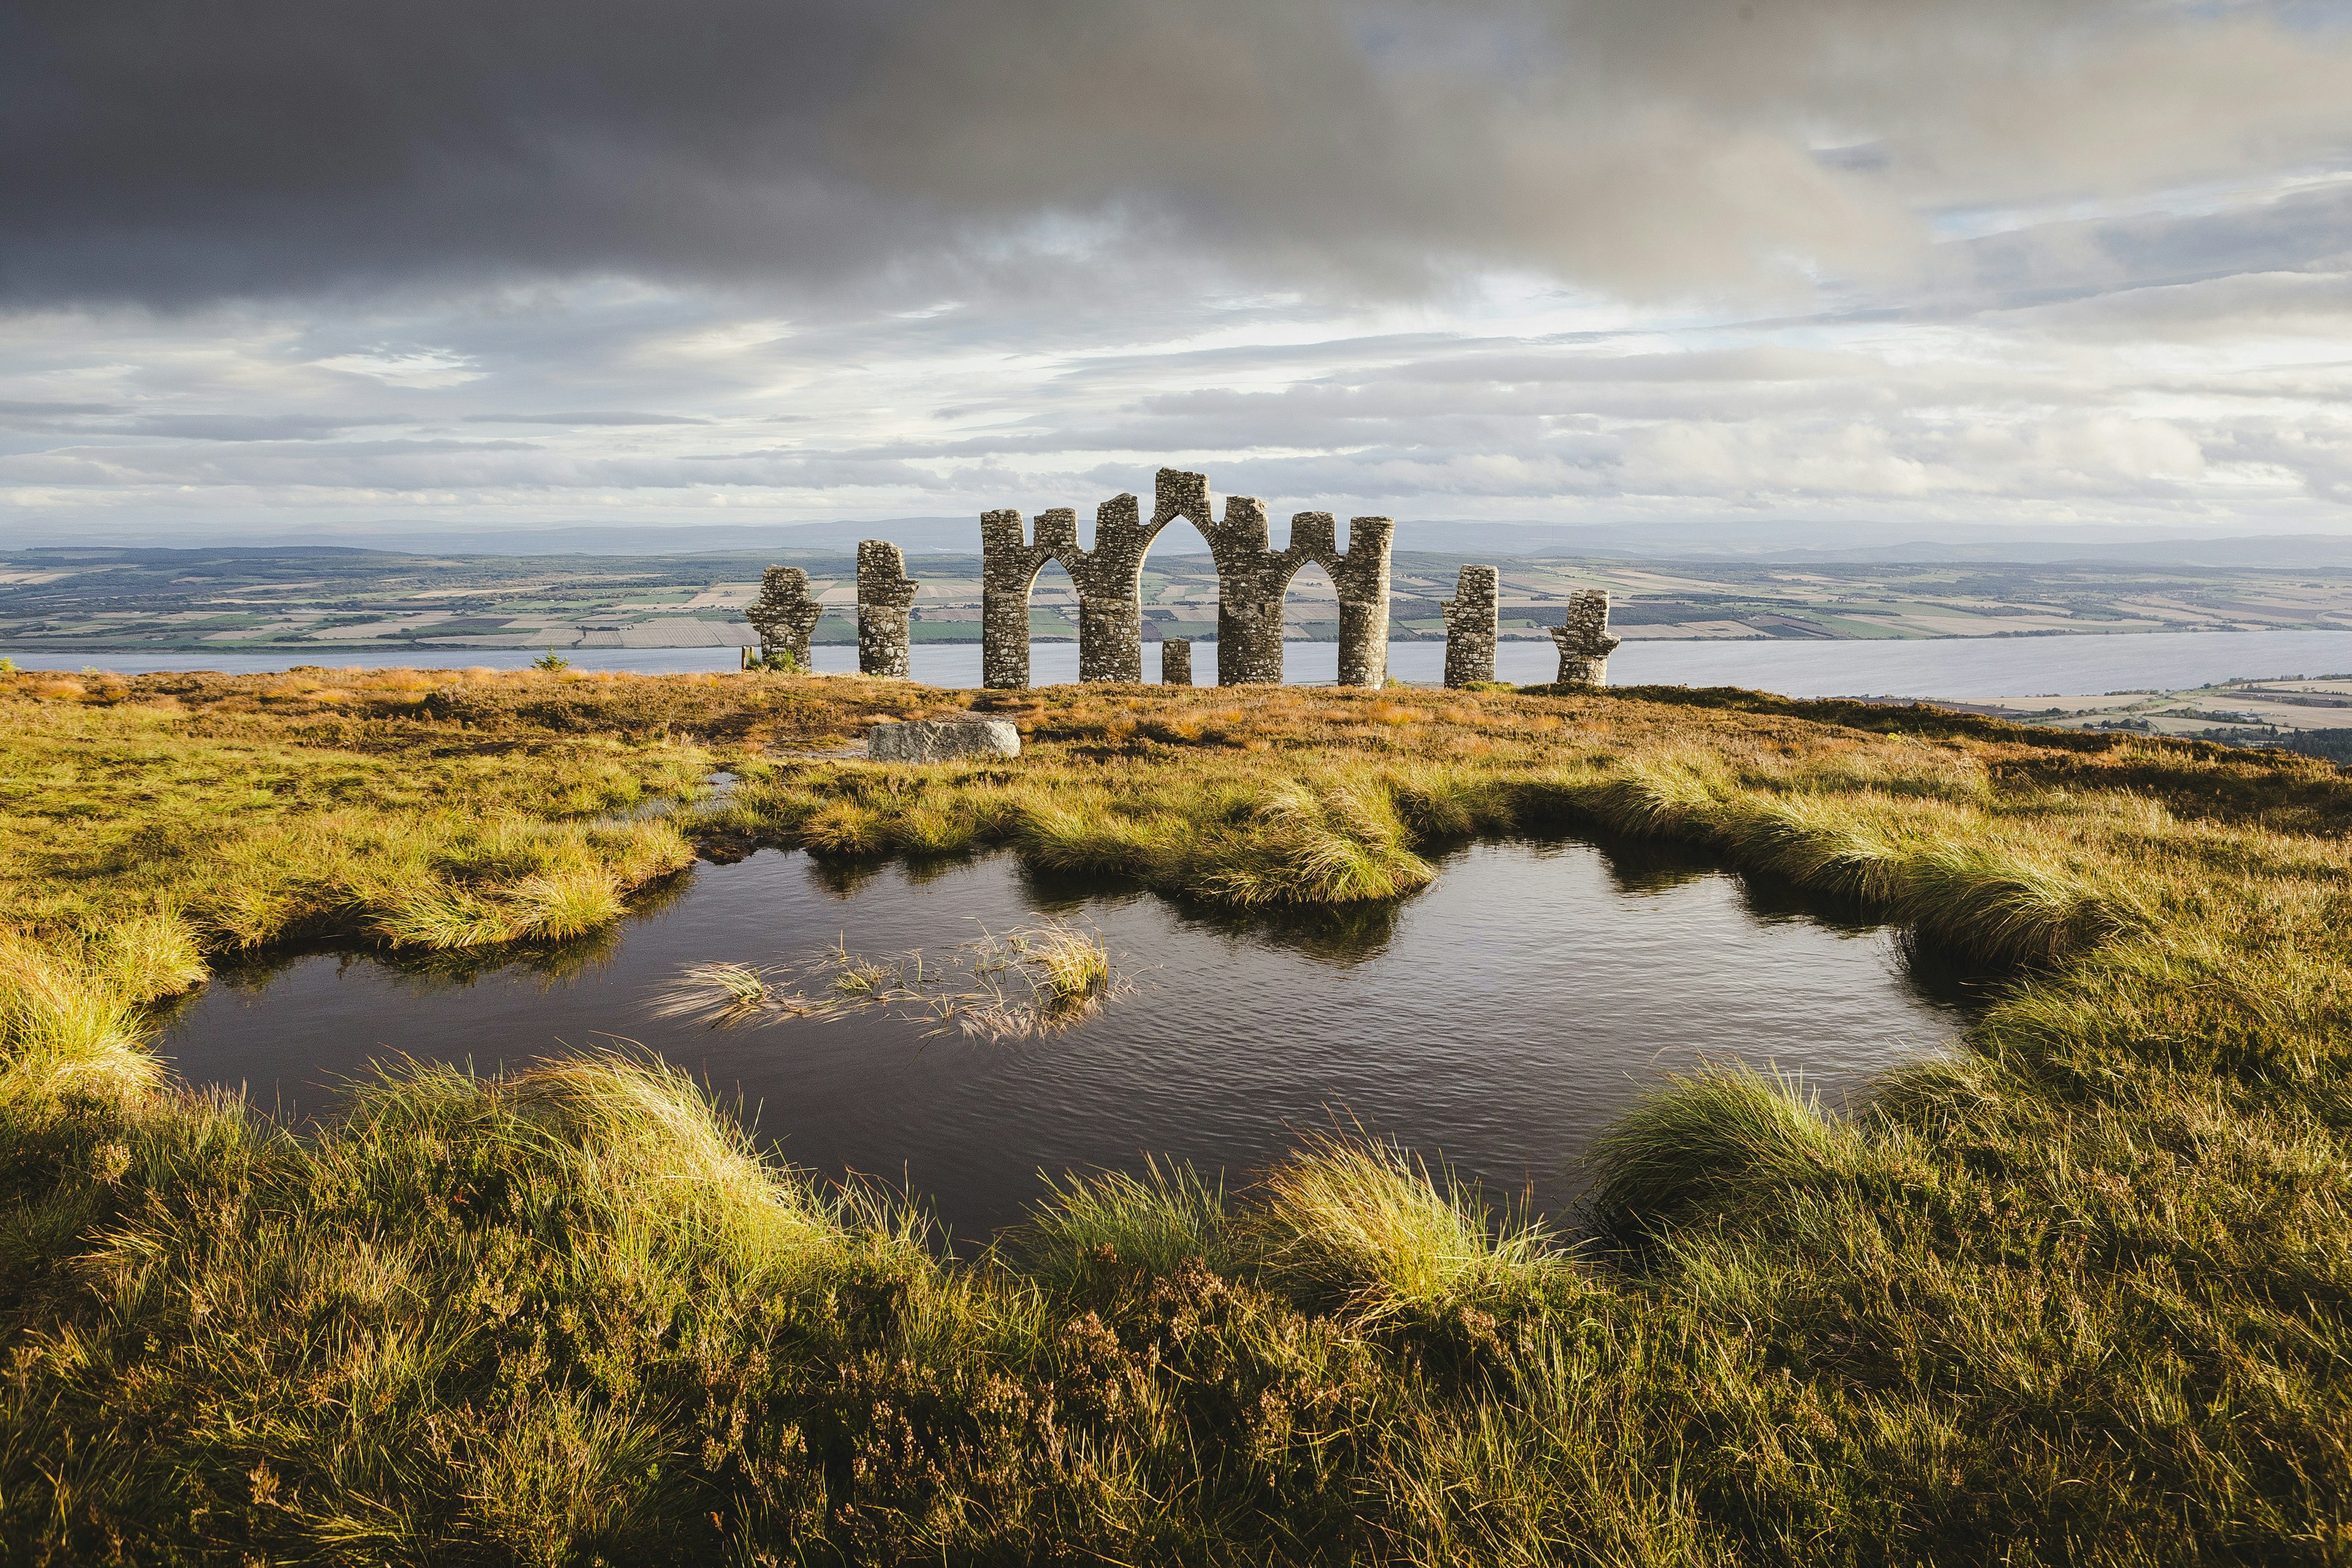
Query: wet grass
2080	1294
1033	980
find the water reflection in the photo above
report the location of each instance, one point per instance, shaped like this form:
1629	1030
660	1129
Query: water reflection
1500	1019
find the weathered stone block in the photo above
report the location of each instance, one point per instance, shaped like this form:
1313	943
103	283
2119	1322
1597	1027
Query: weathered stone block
1176	661
942	739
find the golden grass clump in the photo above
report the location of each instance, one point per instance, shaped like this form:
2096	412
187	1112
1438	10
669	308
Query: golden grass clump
1365	1221
69	1029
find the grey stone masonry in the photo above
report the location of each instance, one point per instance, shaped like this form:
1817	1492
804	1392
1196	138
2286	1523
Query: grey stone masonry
785	613
1471	618
941	740
1176	661
1585	642
1252	577
1108	578
886	600
1251	580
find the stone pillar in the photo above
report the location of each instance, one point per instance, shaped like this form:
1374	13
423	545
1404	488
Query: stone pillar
1472	617
1362	576
885	602
1585	642
1176	661
785	613
1008	566
1110	581
1250	581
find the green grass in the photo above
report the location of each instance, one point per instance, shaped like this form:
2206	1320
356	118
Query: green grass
2082	1293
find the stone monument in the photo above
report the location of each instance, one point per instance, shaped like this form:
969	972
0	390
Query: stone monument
1251	580
1472	617
1108	578
886	603
784	614
1176	661
1585	642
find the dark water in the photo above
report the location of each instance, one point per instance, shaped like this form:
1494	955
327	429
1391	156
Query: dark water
1499	1019
1940	666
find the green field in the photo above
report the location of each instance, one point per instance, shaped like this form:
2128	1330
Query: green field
333	600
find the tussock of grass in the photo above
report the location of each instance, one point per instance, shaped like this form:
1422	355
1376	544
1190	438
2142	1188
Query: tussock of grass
1117	1225
70	1027
1691	1150
1363	1222
1032	980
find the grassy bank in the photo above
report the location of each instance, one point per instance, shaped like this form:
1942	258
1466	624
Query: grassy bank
2082	1295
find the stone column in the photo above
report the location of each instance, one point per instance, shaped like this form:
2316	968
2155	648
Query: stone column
1008	567
1585	642
1362	576
1471	617
1110	581
1176	661
785	613
886	600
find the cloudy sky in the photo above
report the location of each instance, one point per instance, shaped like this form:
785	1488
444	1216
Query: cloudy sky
286	268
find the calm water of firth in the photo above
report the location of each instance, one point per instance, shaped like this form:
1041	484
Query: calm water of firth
1952	668
1497	1020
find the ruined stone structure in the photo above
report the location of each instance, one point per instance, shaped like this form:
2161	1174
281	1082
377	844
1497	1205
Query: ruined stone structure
1176	661
1251	580
886	603
785	613
1585	642
1108	578
1472	617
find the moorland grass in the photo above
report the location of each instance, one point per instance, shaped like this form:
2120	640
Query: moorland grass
2082	1292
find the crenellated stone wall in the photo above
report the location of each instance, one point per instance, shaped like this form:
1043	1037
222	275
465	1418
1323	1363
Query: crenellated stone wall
1585	641
1471	618
785	613
886	603
1252	578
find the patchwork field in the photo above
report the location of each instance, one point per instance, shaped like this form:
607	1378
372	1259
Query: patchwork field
330	600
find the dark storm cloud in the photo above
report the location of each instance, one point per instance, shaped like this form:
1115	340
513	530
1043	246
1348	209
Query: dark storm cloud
178	152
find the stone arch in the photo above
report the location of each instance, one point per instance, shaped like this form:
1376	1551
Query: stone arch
1108	578
1252	578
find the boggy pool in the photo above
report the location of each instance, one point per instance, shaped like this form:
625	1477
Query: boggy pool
1497	1020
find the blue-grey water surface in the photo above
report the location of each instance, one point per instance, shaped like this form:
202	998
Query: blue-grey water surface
1499	1019
1929	667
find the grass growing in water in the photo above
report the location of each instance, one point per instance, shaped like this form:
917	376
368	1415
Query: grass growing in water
1032	980
2079	1294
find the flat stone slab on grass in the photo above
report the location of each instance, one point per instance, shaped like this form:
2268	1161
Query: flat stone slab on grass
942	739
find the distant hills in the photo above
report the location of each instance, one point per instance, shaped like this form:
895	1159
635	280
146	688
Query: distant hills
1858	542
